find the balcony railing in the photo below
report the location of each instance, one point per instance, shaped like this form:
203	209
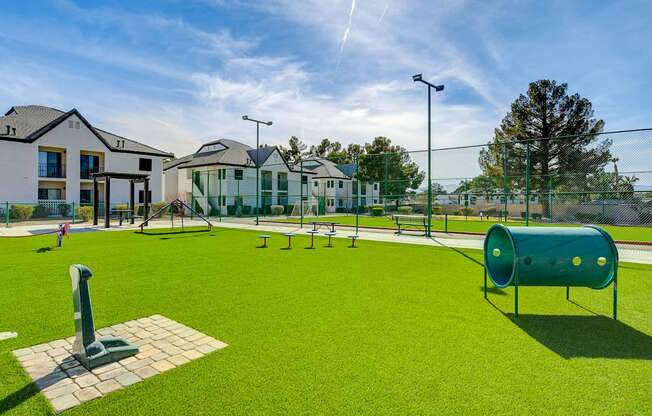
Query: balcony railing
85	172
51	170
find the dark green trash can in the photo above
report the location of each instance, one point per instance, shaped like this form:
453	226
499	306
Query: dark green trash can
550	256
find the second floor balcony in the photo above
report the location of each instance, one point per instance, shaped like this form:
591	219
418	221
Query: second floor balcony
51	170
86	172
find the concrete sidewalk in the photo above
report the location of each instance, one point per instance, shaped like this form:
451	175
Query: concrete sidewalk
626	252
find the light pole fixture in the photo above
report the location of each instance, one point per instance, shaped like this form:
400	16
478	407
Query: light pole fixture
437	88
258	123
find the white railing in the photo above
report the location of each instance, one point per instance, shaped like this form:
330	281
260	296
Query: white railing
55	207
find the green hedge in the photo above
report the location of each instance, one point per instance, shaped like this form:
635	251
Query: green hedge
21	212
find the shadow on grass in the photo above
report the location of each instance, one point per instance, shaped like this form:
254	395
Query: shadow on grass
154	233
494	290
31	389
586	336
43	250
479	263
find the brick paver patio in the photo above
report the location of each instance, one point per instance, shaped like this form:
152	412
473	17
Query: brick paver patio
164	344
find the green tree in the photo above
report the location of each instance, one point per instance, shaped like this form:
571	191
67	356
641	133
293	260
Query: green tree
562	133
391	166
294	151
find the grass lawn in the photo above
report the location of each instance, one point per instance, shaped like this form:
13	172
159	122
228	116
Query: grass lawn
382	329
474	225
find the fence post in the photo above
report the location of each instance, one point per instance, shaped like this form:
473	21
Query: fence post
527	185
505	180
446	222
301	192
357	208
385	185
7	214
73	212
550	197
466	199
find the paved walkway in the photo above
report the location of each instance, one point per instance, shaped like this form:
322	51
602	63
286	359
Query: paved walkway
626	252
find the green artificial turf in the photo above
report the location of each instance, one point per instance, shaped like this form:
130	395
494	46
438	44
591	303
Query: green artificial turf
381	329
473	225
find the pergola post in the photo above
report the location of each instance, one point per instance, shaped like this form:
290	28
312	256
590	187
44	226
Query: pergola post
131	201
96	202
146	200
107	202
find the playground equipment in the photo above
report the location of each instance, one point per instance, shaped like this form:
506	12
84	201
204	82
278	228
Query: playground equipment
91	352
178	208
550	256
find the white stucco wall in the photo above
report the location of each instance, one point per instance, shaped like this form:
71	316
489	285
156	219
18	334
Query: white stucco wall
19	165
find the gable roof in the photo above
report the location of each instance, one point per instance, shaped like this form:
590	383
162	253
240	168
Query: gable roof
233	154
324	168
28	123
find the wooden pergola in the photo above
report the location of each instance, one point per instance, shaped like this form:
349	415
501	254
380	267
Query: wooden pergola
106	177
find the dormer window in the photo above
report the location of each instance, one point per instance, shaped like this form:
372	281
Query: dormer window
211	148
70	124
77	125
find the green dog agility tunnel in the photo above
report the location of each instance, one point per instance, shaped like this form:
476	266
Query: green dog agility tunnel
550	256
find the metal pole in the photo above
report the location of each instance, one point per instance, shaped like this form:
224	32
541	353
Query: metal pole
301	192
107	202
96	202
429	170
357	208
550	197
7	214
527	185
73	212
616	296
505	180
385	185
132	201
257	168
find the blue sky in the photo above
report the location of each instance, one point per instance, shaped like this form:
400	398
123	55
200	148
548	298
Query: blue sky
174	73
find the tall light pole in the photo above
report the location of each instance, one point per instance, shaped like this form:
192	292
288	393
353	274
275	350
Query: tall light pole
437	88
258	123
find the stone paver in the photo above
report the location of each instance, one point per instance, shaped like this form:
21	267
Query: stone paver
164	344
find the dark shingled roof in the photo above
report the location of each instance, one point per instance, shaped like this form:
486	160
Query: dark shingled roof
234	154
32	121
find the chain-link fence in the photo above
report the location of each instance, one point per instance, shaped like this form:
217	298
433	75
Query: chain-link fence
603	179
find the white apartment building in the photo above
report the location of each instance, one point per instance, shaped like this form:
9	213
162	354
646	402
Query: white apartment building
220	179
336	190
47	156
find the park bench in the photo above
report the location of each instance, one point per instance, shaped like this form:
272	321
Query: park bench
411	221
316	225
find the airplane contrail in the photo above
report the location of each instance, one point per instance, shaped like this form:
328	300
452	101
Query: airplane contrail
346	32
382	16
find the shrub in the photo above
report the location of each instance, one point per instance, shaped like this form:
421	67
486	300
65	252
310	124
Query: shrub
64	210
156	206
85	213
491	212
340	210
376	210
41	211
276	209
405	210
536	216
464	211
437	209
121	207
21	212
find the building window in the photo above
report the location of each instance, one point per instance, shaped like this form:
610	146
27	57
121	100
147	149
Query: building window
49	193
85	196
340	184
49	165
316	183
304	180
77	125
375	187
340	203
237	174
145	164
141	196
282	178
88	165
266	180
70	124
223	200
363	189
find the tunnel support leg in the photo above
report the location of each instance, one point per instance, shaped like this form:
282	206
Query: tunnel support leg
516	299
616	297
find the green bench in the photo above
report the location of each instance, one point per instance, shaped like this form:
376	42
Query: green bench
412	221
